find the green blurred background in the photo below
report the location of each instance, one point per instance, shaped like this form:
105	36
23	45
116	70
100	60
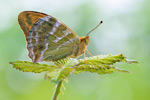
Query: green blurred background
126	30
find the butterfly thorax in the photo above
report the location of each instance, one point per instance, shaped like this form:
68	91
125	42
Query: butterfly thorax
84	41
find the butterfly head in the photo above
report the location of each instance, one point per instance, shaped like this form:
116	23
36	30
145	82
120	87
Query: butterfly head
84	40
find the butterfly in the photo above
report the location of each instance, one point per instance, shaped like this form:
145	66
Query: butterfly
48	39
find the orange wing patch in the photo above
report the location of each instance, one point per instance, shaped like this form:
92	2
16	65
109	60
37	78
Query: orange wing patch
26	20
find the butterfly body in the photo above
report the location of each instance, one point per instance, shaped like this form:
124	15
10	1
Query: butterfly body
48	39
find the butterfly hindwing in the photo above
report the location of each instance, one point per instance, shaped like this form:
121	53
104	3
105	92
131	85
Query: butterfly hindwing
48	39
61	44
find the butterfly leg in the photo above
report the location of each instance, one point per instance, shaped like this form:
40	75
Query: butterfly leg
88	52
85	58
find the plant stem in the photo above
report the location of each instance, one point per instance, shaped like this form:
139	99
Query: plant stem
57	90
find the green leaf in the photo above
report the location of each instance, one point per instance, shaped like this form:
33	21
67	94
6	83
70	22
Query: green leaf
101	64
26	66
58	74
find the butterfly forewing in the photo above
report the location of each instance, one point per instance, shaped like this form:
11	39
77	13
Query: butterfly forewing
26	20
48	39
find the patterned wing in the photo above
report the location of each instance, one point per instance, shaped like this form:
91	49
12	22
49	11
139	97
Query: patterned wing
26	20
51	40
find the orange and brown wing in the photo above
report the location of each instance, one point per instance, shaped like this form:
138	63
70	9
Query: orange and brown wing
26	20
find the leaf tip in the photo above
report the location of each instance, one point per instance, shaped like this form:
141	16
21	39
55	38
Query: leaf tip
131	61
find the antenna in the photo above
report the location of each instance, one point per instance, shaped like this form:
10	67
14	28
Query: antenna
95	27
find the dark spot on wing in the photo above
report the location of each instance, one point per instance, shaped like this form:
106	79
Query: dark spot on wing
41	47
41	40
28	19
33	41
34	34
